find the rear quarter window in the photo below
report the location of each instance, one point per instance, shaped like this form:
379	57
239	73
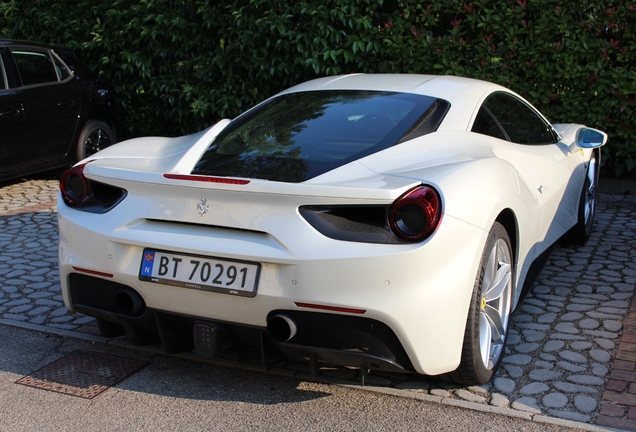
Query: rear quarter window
520	123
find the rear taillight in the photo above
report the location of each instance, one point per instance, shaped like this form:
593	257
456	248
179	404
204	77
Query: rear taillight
416	214
88	195
74	186
411	218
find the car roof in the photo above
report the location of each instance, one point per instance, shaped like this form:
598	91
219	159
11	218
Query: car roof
464	94
442	86
22	43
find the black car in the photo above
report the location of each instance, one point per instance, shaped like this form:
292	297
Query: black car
53	109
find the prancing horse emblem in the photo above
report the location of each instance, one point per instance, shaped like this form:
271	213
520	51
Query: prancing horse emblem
203	207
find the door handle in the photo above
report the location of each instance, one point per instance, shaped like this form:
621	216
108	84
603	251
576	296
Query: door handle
66	103
11	112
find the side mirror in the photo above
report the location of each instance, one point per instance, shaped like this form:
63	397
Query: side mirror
588	138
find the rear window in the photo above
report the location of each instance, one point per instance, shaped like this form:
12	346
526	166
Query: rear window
298	136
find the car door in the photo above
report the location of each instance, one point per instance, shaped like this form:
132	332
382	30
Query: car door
12	154
50	103
553	173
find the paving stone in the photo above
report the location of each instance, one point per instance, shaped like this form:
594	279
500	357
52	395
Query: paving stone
526	348
63	319
38	320
17	302
571	367
589	324
513	371
573	388
611	310
504	385
601	334
47	302
517	359
440	393
612	326
499	400
39	294
59	312
599	370
579	307
471	397
544	375
600	356
39	310
533	335
534	388
513	339
483	389
616	304
21	309
599	315
555	400
547	357
605	290
539	289
581	345
14	317
605	343
586	380
583	300
571	316
544	364
526	404
522	318
83	320
547	318
572	356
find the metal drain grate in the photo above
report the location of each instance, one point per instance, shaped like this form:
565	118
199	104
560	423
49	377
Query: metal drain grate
83	374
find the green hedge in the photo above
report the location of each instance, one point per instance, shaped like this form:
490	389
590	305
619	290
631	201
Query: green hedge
178	66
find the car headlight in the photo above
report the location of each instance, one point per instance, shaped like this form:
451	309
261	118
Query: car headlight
81	193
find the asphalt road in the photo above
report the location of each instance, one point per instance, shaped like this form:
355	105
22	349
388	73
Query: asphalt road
172	393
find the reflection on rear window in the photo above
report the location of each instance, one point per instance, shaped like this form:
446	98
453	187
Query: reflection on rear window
298	136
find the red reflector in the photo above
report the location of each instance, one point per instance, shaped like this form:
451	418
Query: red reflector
206	179
330	308
93	272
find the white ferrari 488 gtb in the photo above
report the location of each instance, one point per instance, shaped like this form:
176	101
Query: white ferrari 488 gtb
385	222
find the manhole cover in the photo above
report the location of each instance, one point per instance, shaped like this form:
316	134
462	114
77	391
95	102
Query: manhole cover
82	373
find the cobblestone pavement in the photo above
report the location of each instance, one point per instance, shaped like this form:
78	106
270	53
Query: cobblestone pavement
560	360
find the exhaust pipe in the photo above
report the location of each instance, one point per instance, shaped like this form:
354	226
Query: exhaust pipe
281	328
129	302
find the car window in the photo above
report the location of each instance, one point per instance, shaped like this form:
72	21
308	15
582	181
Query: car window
520	122
35	67
297	136
61	69
486	124
4	84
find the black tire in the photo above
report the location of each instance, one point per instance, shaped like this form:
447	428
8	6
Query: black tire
95	136
497	264
580	232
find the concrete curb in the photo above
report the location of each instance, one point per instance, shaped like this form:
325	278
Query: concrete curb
538	418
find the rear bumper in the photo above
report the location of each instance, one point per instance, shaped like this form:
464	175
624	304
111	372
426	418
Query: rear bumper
419	293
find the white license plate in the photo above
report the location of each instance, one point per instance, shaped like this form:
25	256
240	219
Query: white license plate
198	272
